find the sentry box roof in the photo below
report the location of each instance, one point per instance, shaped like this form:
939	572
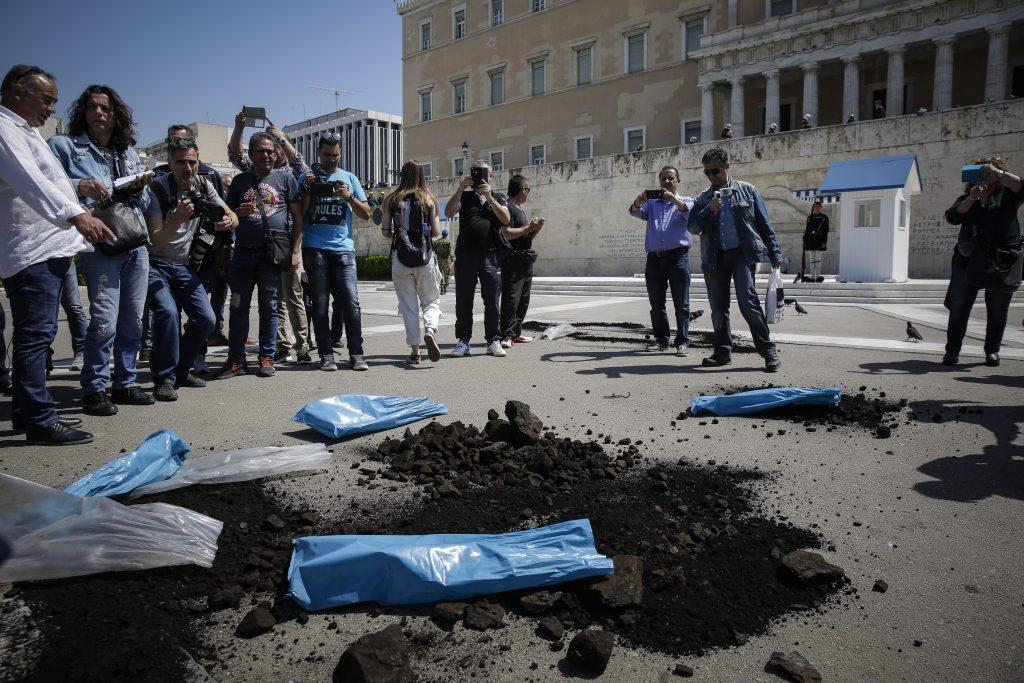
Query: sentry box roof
881	173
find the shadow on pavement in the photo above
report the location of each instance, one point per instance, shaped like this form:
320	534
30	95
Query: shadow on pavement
914	366
1012	381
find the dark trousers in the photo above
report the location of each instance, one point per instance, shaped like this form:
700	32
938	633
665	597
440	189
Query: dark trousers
174	288
667	269
333	273
71	302
732	267
472	266
961	298
34	295
249	268
516	280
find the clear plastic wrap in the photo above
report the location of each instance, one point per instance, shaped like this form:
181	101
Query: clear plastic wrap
54	534
556	331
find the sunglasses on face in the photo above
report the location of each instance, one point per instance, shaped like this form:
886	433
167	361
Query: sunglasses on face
712	171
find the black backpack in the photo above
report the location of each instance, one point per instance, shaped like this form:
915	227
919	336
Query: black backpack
414	248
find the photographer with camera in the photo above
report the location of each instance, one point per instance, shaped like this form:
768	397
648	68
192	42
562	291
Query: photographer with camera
330	196
667	243
186	217
517	271
988	254
482	215
736	235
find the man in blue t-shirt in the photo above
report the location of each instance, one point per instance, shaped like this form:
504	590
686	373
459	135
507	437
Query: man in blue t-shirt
330	197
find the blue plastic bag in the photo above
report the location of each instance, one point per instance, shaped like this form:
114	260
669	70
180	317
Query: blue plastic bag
330	571
351	414
759	400
156	459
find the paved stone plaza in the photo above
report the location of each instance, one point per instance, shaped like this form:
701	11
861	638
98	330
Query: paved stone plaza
938	518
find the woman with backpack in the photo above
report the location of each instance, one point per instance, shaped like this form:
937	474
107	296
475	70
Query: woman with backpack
411	219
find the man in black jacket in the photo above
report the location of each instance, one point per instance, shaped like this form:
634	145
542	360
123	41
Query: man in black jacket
517	271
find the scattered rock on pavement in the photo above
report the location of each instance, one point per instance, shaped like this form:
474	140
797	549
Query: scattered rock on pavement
591	650
624	587
539	601
880	586
795	666
449	612
683	670
376	657
526	427
551	628
810	568
484	615
257	622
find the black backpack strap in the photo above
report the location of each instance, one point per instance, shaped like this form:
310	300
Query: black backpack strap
162	197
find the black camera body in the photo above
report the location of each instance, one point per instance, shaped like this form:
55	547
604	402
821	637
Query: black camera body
323	189
204	208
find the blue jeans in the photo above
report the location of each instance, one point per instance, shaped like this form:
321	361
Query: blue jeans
147	327
249	268
471	265
34	294
117	288
71	302
333	273
173	287
669	269
733	266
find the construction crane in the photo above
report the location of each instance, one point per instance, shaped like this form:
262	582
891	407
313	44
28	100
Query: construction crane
337	93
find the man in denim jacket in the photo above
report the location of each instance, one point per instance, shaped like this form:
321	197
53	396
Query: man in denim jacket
736	235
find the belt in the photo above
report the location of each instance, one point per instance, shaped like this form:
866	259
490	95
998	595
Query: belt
669	252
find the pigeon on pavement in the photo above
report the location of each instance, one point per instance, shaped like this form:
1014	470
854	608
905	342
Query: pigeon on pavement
799	309
912	333
788	301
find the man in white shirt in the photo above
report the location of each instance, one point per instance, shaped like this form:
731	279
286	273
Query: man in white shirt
42	226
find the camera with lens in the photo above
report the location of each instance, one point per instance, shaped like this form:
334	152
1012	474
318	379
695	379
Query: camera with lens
204	208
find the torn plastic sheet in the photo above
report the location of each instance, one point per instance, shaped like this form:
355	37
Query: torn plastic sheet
352	414
156	458
54	534
330	571
759	400
242	465
558	331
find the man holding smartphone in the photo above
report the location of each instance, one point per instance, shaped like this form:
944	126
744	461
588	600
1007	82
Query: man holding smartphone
517	271
482	214
736	235
668	256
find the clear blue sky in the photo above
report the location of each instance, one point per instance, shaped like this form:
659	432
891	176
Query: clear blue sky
202	60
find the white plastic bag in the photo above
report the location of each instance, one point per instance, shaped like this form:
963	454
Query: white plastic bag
556	331
242	465
774	303
56	534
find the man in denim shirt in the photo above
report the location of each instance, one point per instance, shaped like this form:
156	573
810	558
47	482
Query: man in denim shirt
668	257
736	235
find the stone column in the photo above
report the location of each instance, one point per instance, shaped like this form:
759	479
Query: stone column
851	87
771	99
737	107
995	78
811	92
707	112
942	95
894	82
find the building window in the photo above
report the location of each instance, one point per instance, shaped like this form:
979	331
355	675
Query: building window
428	171
538	155
635	138
691	131
497	87
636	53
425	36
497	12
692	31
867	213
458	23
497	161
425	102
584	65
779	8
538	5
458	167
537	74
583	147
904	215
459	97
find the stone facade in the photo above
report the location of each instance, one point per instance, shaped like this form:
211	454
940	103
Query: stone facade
588	232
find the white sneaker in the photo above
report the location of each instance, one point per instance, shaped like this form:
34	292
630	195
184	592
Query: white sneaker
494	349
461	349
506	343
78	362
522	339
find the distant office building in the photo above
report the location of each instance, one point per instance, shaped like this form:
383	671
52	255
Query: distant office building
212	140
371	142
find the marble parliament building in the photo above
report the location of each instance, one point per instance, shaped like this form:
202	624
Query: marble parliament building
589	98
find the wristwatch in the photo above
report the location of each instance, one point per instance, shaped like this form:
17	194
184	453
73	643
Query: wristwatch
487	204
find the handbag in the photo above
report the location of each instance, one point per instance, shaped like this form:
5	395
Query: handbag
277	244
119	214
996	267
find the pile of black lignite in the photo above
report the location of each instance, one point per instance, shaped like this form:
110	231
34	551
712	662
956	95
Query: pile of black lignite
697	565
139	625
630	333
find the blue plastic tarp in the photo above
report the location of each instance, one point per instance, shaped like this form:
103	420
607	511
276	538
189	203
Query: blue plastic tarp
330	571
759	400
156	459
351	414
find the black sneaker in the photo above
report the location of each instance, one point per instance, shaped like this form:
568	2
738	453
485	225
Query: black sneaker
165	392
772	362
714	361
992	360
132	396
57	434
266	368
98	404
19	427
950	359
327	363
191	381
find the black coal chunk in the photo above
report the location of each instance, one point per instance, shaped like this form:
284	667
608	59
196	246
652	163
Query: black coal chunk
810	569
257	622
591	650
795	666
381	656
526	426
